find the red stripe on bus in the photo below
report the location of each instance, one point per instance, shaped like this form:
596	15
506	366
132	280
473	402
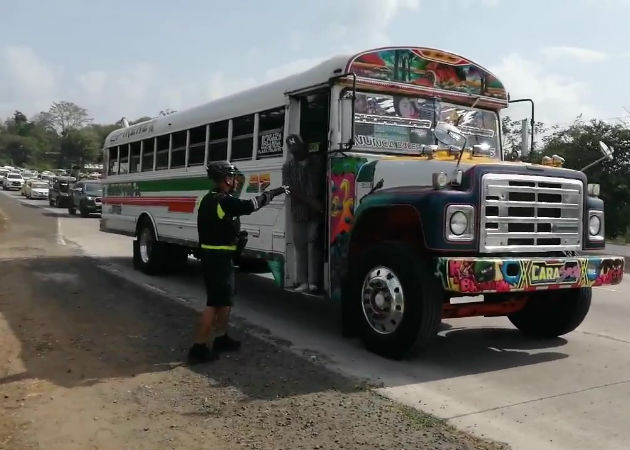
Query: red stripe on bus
174	204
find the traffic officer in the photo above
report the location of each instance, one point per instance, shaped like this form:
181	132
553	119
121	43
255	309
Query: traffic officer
218	226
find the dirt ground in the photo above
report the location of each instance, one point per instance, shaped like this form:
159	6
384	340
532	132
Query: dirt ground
90	361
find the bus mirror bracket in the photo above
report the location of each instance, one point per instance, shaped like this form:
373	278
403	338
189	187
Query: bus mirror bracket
524	153
346	116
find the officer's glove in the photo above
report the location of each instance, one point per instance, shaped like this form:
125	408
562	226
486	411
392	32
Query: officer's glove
266	197
279	191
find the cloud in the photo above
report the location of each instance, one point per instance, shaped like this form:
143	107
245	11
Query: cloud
557	98
580	54
351	27
290	68
25	78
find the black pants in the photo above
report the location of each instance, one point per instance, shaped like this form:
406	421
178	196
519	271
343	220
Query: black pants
218	275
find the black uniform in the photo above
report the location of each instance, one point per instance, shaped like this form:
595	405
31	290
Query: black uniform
219	226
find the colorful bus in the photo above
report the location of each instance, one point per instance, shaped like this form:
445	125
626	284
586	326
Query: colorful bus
421	215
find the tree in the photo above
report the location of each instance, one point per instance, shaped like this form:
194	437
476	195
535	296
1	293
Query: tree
511	131
63	116
579	145
80	146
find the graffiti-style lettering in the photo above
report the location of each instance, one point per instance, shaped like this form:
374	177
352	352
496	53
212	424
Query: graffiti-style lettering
470	275
454	267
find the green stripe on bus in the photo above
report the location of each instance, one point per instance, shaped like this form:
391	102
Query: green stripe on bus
135	189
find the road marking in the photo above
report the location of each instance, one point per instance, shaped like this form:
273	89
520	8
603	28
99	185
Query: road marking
60	239
562	394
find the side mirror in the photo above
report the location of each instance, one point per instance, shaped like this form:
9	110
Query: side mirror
449	135
346	119
606	151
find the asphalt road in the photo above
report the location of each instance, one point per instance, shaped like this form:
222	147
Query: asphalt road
481	375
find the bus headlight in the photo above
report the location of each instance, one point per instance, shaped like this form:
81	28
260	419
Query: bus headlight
596	225
460	223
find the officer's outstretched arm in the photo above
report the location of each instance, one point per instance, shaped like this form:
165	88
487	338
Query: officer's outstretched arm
236	207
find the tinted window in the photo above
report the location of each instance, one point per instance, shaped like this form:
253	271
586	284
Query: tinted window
217	151
219	130
147	155
197	146
113	161
242	137
178	152
162	152
217	148
134	164
124	159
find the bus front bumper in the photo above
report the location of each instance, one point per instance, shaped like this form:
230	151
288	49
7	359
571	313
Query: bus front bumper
480	275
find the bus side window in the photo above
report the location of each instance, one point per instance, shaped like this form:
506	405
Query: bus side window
242	137
162	152
134	163
197	146
113	161
124	159
270	133
147	155
178	152
217	147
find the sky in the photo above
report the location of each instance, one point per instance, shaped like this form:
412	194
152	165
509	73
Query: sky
121	58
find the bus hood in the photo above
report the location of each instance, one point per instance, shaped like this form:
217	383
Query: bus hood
400	172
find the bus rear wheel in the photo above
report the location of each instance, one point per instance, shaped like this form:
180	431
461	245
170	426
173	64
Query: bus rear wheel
149	255
397	300
553	313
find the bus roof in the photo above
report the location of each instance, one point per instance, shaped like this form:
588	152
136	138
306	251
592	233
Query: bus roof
435	72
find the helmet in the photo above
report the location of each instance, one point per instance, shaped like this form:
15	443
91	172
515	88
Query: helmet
217	170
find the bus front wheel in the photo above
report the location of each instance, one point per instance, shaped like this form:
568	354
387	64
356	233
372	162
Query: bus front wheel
553	313
397	300
148	254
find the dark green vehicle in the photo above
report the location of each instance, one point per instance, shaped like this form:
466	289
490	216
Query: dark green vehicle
86	197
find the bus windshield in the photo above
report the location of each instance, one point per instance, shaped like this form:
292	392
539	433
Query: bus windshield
399	124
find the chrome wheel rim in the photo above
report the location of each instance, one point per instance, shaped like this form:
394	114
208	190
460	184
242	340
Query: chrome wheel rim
146	244
383	300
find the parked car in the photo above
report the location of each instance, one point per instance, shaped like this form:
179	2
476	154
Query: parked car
87	198
28	174
36	189
59	193
13	180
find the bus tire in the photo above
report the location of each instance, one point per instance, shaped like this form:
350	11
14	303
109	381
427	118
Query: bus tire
553	313
149	255
399	300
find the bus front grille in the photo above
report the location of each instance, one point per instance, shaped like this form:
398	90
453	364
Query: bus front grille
523	213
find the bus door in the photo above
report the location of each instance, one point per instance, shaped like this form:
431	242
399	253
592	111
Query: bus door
309	118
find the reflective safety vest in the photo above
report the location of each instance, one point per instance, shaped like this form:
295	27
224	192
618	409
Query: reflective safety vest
217	220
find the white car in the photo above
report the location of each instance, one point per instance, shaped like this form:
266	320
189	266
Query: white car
12	180
36	189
